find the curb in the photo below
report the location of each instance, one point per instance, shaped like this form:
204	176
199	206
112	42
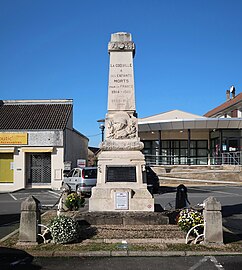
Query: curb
9	235
127	253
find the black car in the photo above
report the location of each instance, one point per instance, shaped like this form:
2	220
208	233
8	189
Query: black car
153	182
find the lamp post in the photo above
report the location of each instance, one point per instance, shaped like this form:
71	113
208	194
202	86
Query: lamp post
102	127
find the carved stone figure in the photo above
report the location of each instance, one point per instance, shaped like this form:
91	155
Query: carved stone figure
121	126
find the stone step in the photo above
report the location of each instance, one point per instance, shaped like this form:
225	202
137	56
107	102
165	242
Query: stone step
128	225
122	218
195	173
164	232
166	180
161	169
174	181
204	175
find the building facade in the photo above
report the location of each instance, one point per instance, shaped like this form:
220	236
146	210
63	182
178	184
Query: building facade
181	138
37	138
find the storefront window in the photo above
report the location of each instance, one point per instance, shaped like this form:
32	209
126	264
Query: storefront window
183	152
183	144
202	152
165	144
225	147
176	151
202	144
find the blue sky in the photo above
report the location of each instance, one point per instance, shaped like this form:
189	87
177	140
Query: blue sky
188	53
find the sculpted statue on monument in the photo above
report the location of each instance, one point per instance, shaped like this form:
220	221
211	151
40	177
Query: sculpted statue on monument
121	126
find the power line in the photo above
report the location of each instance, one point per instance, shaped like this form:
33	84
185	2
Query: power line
95	135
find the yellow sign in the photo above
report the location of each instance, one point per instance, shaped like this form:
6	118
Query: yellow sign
13	138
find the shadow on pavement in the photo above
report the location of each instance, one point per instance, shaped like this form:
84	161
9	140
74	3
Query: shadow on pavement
86	230
31	190
231	237
230	210
11	258
232	221
165	189
158	208
9	218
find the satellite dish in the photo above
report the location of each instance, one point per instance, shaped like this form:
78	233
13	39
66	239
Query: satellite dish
232	89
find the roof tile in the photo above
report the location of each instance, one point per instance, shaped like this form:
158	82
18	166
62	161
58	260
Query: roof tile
224	106
34	116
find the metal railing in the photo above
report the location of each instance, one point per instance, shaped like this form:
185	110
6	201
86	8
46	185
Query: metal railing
175	160
197	234
231	158
228	158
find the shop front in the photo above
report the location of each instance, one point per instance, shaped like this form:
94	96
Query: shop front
203	141
23	164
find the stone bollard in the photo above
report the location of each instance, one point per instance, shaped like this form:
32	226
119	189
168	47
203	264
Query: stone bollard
66	190
30	218
213	229
61	205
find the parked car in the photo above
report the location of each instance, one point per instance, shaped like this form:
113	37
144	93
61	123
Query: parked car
153	182
81	179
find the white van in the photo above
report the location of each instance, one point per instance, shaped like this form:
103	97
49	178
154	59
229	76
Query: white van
81	179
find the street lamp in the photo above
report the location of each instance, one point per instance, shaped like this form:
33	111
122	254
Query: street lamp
102	127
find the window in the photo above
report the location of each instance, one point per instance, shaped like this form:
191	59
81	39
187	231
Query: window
90	173
199	152
76	173
176	151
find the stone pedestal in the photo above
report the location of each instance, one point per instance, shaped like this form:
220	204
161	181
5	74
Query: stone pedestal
121	182
30	217
213	229
120	185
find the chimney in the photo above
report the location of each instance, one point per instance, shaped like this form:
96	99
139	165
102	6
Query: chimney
227	95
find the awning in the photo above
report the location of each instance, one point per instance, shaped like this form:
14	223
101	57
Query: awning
180	124
6	149
37	149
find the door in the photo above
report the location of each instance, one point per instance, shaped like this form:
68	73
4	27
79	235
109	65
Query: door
38	168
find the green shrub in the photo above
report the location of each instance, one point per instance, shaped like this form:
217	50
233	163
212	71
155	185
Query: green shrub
64	229
74	201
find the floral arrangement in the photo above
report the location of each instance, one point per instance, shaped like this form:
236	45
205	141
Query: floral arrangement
64	229
188	218
74	201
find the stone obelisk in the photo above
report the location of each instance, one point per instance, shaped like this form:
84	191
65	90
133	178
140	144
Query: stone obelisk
121	183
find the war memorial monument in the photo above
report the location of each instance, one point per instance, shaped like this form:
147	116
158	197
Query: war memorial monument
121	182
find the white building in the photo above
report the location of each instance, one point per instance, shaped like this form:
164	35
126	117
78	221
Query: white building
36	139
